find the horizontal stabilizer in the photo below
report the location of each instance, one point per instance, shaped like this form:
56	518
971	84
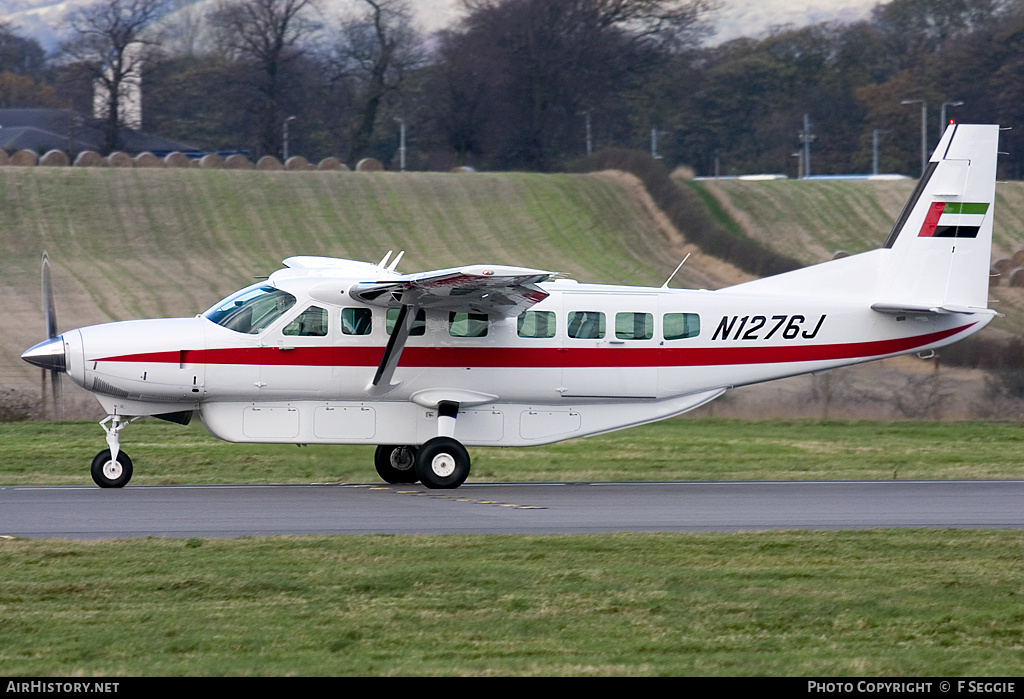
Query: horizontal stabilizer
912	309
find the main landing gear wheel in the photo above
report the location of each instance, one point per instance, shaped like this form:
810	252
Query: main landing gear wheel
396	464
108	473
442	462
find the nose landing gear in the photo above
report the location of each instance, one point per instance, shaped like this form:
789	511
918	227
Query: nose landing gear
112	468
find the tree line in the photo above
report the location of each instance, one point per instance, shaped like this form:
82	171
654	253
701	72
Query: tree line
536	84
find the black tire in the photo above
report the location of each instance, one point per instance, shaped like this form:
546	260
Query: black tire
442	462
107	474
396	464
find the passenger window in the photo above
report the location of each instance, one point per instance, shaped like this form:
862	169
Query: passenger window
536	324
467	324
634	326
312	322
419	326
356	321
586	325
678	326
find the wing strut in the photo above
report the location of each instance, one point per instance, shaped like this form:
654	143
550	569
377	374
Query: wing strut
381	383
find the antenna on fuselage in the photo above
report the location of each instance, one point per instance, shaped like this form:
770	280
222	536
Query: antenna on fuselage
391	267
386	258
665	285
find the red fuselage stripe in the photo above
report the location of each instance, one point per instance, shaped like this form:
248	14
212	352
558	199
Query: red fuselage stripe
539	357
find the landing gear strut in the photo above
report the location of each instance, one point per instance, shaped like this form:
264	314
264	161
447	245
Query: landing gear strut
112	468
439	463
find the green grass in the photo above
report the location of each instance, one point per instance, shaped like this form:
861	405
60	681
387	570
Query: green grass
899	603
678	449
859	603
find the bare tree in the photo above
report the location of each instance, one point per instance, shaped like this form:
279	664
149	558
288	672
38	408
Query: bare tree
376	49
267	34
111	39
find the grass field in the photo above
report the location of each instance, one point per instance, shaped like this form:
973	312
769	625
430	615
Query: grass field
680	449
144	243
877	604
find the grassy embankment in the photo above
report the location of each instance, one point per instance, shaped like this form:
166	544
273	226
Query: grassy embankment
811	221
158	243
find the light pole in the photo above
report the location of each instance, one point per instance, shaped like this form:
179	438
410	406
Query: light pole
924	132
285	151
401	143
942	114
805	138
874	149
590	142
654	144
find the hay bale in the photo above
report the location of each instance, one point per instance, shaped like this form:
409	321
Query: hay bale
369	165
1003	265
238	162
297	163
147	159
23	158
839	254
4	158
211	161
331	163
463	168
993	278
89	158
268	162
1016	277
177	159
1017	258
684	172
55	158
119	159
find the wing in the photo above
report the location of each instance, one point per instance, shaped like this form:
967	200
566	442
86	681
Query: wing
493	289
496	289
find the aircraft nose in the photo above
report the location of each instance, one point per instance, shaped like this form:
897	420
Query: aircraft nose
48	354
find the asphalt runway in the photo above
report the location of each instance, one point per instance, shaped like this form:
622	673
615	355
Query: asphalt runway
514	508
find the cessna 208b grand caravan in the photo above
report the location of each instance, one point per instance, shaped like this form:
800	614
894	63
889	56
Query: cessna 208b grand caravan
331	351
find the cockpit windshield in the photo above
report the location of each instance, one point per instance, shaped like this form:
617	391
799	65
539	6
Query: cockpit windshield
252	309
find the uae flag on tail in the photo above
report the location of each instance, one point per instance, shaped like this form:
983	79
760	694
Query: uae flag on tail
953	219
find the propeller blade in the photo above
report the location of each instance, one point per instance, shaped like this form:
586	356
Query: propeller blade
49	310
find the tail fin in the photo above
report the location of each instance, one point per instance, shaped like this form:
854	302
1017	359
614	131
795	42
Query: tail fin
937	256
942	241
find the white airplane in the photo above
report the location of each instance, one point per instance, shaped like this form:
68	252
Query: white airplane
331	351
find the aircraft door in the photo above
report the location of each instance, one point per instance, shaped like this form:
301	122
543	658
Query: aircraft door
611	347
296	356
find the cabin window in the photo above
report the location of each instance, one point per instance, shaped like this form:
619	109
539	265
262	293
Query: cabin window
419	326
536	324
467	324
678	326
356	321
312	322
634	326
251	310
586	325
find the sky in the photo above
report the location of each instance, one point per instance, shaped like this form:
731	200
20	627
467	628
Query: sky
42	18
